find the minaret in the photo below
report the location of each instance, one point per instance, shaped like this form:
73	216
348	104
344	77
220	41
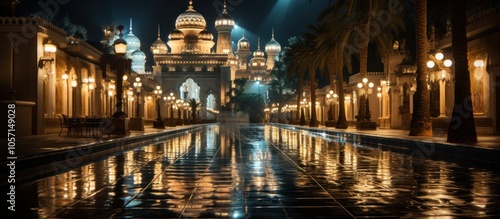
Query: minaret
243	51
133	43
224	25
273	48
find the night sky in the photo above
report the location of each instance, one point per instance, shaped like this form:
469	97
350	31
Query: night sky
257	17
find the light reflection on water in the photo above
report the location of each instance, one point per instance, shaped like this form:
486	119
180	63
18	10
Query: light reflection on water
374	176
222	170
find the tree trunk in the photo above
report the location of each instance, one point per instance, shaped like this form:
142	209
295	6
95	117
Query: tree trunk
299	96
421	124
341	121
462	128
363	51
312	77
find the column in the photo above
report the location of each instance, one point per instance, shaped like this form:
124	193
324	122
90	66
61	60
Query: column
51	103
442	98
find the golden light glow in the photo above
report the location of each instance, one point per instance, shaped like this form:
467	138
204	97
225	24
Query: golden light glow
49	47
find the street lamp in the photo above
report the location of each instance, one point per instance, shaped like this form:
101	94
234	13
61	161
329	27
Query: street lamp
179	104
121	64
171	101
331	97
440	72
186	116
137	84
364	115
159	122
303	106
74	83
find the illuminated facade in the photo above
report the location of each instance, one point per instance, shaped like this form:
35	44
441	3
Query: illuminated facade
194	66
391	97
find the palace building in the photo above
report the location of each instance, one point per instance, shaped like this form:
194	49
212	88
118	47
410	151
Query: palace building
48	73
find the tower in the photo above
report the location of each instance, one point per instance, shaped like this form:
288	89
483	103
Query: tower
273	48
243	51
258	62
224	25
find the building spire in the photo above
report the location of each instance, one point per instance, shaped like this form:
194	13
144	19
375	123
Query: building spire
272	36
258	43
243	33
158	31
130	25
225	11
190	4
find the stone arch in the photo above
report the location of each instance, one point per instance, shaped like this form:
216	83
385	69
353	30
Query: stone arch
189	89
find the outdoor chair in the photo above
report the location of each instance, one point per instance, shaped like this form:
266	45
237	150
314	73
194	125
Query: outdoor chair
63	120
93	126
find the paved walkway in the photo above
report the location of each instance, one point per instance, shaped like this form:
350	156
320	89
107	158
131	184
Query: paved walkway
37	144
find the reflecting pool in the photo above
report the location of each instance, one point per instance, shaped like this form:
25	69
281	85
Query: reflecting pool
255	171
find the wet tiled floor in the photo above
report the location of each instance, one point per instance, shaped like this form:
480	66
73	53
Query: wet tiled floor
258	171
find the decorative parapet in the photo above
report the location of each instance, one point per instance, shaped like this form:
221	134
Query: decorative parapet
473	18
36	21
482	15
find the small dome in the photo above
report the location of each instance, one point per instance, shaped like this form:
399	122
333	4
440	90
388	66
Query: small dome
205	35
224	20
138	55
133	43
176	35
159	47
190	19
244	43
273	46
258	53
138	61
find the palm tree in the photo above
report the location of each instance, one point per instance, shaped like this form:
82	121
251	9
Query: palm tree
235	93
421	123
315	61
462	128
295	56
194	108
278	83
330	48
350	28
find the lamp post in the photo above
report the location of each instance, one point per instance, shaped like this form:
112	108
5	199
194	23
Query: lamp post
159	122
74	83
171	101
364	115
138	85
439	72
91	93
331	96
303	104
121	64
66	91
179	104
186	116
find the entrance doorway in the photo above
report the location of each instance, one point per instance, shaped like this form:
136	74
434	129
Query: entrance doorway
190	90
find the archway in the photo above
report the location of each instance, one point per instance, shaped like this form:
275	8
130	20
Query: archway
189	90
211	106
211	102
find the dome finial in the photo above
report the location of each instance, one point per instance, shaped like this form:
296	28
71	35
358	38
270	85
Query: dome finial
243	33
130	25
190	4
258	43
225	6
158	31
272	36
